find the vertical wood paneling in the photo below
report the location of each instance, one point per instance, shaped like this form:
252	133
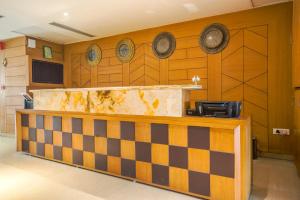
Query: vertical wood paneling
16	79
296	77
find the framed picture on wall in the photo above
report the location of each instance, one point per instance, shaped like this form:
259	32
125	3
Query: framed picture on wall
47	52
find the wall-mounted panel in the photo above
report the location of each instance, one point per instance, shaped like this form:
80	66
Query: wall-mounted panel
255	68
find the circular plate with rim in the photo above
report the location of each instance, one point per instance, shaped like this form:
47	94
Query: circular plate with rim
164	45
125	50
93	55
214	38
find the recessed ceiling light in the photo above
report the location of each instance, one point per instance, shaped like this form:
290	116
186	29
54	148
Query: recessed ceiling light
192	8
66	14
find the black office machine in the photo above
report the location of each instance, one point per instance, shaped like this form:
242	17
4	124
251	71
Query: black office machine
225	109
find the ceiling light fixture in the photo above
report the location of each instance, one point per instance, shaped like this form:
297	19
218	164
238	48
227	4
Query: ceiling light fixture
192	8
62	26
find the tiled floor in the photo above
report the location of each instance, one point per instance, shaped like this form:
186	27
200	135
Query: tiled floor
24	177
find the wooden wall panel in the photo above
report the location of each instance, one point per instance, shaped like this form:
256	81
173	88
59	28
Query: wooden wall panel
16	80
244	77
297	128
255	67
296	77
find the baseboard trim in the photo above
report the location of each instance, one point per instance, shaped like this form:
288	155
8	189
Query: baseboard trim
277	156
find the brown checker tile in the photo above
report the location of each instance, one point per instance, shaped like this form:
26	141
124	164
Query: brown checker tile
77	141
198	160
49	151
128	149
159	133
113	147
127	130
32	147
25	145
101	145
66	124
57	138
89	143
160	175
25	120
57	152
222	140
40	121
67	154
178	135
128	168
113	129
199	183
160	154
218	191
67	139
222	164
76	125
198	137
32	121
32	134
179	179
48	122
114	165
40	135
88	126
25	133
101	162
142	132
40	149
144	171
100	128
89	159
57	123
48	136
143	151
178	157
77	157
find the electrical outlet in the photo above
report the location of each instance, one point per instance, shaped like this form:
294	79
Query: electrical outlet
281	131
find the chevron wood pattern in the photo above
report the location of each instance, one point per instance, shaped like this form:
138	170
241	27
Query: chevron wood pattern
254	67
244	76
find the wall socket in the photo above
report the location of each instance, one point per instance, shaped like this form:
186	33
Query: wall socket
281	131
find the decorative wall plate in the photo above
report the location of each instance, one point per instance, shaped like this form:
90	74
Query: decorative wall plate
125	50
93	54
164	45
214	38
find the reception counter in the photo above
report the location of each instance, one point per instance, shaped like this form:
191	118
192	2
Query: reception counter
160	100
204	157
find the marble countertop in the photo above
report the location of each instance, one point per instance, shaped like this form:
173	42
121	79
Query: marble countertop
183	87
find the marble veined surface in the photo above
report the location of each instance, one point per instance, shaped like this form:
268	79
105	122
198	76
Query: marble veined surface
145	100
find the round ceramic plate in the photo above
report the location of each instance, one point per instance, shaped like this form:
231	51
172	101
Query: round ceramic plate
164	45
125	50
214	38
93	55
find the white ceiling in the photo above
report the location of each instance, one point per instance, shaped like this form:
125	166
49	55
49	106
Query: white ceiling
104	18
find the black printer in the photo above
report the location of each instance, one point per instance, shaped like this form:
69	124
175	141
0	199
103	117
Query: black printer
222	109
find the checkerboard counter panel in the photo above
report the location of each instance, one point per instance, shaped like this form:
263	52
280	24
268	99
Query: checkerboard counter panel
188	159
